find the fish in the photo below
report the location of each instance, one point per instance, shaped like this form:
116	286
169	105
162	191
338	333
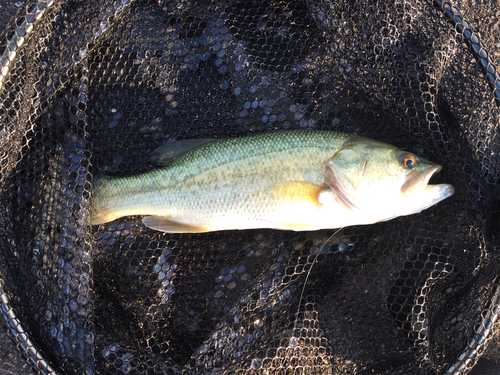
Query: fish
299	180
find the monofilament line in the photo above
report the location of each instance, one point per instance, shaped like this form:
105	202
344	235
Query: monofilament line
307	277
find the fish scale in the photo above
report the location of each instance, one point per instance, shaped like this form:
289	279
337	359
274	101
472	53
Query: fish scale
280	179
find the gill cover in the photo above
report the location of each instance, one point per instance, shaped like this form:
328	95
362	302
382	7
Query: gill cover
345	172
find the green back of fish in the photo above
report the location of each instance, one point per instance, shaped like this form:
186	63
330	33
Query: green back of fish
293	150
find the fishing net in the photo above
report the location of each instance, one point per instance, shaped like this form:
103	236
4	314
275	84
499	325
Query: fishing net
94	87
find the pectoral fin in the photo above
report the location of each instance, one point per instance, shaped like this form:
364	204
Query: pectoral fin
164	224
299	206
299	192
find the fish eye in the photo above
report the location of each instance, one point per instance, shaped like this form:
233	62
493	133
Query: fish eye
408	161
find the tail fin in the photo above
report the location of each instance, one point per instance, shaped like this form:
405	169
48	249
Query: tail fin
99	214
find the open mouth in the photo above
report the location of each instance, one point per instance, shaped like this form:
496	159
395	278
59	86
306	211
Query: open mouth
430	172
418	180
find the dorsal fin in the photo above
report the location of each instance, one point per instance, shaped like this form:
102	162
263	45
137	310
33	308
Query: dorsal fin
167	153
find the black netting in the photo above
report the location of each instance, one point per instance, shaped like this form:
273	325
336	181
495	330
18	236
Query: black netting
94	87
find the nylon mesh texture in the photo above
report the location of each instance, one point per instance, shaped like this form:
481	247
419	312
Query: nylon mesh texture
93	87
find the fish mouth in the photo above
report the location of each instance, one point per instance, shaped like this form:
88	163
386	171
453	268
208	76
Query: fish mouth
420	181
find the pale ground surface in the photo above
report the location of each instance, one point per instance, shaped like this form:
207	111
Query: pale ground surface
11	361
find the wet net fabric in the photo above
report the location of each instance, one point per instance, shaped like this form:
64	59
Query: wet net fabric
94	87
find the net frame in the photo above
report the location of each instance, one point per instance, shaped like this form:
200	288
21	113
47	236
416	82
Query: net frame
9	58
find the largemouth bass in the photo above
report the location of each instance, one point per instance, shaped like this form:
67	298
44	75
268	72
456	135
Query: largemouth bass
289	180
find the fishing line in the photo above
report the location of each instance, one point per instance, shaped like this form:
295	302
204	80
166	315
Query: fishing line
307	277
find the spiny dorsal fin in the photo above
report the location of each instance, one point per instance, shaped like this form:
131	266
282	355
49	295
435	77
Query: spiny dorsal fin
167	153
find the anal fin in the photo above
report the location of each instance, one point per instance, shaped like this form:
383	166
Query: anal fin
164	224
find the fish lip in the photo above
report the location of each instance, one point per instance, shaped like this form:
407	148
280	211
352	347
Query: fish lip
421	179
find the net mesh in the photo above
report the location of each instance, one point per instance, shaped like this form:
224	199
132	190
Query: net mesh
93	87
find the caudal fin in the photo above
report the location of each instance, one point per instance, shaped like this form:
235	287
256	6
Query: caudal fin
99	212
